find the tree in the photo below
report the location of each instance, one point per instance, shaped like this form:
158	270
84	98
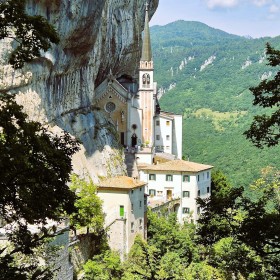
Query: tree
143	261
167	234
35	167
89	206
31	34
265	129
241	231
106	266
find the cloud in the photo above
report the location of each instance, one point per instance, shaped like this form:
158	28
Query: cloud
274	9
212	4
221	3
261	3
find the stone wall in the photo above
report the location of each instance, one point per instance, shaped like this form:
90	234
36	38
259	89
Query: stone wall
58	89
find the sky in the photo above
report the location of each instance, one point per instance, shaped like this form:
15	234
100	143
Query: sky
256	18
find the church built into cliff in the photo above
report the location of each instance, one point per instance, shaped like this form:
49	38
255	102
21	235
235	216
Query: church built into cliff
132	105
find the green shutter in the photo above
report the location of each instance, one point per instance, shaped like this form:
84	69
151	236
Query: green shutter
122	211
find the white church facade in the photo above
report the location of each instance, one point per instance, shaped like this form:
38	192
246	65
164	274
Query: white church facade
154	140
132	106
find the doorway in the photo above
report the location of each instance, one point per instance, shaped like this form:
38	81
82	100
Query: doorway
169	194
122	138
133	140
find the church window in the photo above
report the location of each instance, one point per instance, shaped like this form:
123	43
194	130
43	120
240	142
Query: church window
186	210
144	80
148	80
152	192
157	137
167	123
110	97
186	194
121	210
169	178
157	123
160	193
110	107
186	178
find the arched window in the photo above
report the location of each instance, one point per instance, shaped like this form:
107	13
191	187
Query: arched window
148	80
144	80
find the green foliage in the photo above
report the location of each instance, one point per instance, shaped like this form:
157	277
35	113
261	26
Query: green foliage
221	87
265	130
35	168
143	261
242	232
89	212
202	271
31	33
106	266
167	234
171	267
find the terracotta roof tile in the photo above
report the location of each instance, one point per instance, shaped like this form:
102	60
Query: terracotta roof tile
179	165
121	182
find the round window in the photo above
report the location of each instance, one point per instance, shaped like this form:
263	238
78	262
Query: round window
110	107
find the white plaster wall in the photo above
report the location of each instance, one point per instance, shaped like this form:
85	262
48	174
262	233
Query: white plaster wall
136	215
163	130
178	186
177	136
120	233
135	117
144	158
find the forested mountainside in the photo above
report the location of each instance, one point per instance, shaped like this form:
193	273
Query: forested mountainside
205	74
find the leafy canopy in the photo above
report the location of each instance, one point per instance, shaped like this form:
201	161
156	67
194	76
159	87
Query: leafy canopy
265	129
35	167
30	33
242	232
89	212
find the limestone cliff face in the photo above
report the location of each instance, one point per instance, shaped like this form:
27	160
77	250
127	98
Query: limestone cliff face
96	36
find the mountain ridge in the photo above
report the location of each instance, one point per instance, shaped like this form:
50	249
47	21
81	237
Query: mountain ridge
201	24
206	76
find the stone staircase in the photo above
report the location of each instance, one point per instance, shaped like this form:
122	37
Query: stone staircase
130	162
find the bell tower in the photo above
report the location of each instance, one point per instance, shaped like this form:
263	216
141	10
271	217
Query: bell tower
146	84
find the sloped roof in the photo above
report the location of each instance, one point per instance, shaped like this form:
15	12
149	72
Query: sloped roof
110	84
120	183
179	165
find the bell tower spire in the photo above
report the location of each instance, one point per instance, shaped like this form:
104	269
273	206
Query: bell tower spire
147	88
146	48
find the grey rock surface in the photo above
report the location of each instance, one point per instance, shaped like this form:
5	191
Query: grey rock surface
96	37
